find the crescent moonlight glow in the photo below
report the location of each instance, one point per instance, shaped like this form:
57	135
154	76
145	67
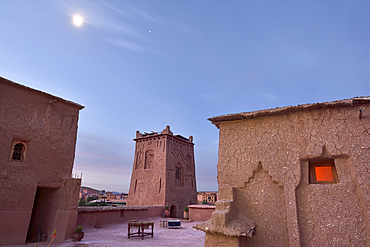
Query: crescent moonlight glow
77	20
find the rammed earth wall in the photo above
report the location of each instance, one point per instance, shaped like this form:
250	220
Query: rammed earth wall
98	216
38	134
264	177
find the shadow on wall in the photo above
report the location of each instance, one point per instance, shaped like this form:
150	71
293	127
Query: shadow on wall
173	211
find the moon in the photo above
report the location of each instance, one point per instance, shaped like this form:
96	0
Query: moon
78	20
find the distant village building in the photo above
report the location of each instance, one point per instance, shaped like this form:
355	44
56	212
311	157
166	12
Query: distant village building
37	150
294	176
86	192
208	196
93	196
163	171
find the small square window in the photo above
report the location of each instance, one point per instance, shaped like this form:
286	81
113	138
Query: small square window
323	172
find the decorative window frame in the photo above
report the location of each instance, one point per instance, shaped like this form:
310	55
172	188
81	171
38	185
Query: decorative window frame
322	163
23	154
149	159
179	175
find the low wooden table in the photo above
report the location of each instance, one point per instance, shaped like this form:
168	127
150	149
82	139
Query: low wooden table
141	226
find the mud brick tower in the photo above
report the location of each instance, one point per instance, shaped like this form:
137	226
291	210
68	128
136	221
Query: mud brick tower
163	172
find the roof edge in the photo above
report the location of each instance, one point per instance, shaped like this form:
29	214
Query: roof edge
288	109
15	84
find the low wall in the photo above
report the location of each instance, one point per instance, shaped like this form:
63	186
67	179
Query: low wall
98	216
200	212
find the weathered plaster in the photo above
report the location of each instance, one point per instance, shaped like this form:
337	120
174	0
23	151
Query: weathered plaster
40	185
280	142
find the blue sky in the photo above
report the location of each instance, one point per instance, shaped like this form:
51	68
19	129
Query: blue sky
142	65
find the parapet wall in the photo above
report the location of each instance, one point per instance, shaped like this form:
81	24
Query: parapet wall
98	216
200	212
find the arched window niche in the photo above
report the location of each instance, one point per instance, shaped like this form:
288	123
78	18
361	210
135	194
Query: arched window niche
18	152
179	175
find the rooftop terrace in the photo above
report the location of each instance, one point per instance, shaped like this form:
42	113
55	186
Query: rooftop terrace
113	235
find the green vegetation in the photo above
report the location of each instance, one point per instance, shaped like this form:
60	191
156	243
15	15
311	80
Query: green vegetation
186	209
204	202
82	202
79	229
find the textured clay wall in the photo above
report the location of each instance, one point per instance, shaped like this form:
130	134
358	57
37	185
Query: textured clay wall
148	178
181	187
99	216
47	128
263	175
163	172
200	212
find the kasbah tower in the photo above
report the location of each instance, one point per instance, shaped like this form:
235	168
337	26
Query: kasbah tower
163	172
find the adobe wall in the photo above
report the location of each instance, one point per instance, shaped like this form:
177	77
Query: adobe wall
147	186
200	212
181	192
221	240
98	216
263	176
47	126
154	179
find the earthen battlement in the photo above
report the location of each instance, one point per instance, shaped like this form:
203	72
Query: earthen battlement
166	131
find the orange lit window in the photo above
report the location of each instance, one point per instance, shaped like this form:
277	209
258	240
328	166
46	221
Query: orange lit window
323	172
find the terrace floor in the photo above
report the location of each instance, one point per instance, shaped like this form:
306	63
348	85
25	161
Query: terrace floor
113	235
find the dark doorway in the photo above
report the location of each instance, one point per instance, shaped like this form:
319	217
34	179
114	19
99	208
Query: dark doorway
173	211
41	213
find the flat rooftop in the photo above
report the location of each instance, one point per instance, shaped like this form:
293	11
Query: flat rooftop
112	235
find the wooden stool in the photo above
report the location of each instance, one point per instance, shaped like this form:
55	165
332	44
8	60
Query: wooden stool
163	223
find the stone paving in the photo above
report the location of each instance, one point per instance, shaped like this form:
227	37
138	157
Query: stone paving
113	235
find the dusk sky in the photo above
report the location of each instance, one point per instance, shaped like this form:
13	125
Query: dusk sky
142	65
